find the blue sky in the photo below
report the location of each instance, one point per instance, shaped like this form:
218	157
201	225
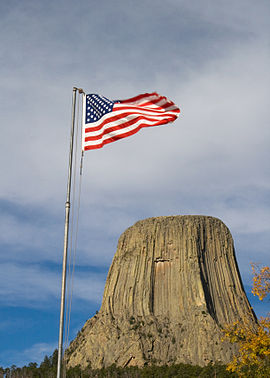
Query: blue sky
209	57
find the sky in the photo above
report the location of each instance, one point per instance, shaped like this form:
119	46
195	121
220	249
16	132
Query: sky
210	57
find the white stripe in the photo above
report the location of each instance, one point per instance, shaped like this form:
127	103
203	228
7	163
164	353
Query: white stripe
144	99
147	112
162	102
121	121
116	133
172	107
137	107
114	113
119	105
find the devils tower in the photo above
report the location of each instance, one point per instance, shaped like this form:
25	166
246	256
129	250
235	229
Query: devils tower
173	283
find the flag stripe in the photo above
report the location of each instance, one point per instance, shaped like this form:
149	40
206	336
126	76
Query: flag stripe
124	118
143	97
139	98
113	136
148	109
116	130
116	125
118	109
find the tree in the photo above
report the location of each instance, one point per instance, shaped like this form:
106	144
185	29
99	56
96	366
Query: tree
2	370
261	281
253	359
54	358
46	364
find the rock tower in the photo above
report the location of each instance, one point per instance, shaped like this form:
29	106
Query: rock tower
172	285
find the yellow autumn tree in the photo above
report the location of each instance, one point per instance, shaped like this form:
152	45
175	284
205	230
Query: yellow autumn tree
261	281
253	358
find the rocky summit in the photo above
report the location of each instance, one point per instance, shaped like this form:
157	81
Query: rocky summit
173	283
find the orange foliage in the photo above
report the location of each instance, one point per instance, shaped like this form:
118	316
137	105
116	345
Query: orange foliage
253	359
254	346
261	281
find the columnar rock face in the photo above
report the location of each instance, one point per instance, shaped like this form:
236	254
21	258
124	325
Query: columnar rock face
172	285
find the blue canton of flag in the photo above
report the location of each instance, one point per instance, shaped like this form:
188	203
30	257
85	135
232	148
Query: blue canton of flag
96	107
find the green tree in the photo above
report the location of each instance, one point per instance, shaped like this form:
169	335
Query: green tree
2	370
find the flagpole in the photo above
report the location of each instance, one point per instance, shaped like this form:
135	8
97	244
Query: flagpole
66	234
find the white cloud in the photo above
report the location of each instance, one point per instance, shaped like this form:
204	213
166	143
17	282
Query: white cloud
38	287
35	353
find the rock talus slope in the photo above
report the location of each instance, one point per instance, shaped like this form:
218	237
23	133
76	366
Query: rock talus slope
173	283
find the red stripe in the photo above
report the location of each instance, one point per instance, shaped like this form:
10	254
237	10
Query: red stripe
130	123
117	137
155	110
139	97
147	102
119	117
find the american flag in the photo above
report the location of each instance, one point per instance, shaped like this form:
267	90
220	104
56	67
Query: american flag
106	121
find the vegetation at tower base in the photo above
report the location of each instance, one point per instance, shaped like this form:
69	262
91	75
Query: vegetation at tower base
253	356
48	370
174	371
172	286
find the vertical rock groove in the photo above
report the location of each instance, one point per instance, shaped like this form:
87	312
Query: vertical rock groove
173	283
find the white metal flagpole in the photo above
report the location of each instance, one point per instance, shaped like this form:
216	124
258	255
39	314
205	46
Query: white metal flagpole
66	235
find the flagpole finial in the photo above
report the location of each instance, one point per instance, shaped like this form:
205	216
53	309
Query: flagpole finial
80	90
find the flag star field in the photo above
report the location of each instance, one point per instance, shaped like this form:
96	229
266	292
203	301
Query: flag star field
96	107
